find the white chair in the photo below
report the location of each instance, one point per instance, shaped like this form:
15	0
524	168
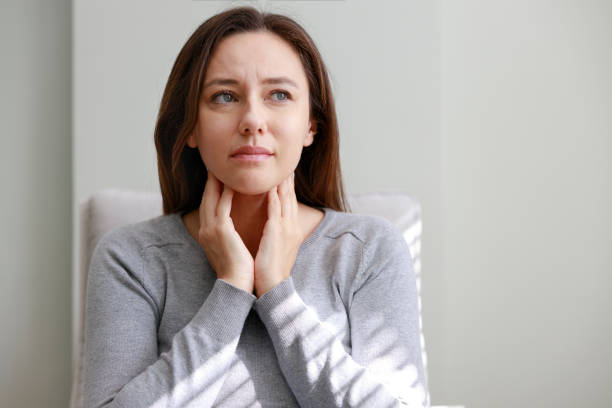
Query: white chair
111	208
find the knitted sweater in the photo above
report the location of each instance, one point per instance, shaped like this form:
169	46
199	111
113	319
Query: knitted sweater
342	331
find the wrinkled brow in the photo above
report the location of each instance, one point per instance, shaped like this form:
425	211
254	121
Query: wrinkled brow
268	81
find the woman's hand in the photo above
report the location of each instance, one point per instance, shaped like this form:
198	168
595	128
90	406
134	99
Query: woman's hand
281	238
217	236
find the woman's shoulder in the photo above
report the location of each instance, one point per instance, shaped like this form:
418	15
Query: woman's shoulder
135	237
366	228
376	241
374	236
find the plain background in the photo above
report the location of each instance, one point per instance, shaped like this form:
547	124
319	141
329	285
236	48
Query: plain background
496	116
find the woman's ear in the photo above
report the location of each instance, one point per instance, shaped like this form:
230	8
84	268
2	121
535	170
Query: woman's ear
312	131
191	140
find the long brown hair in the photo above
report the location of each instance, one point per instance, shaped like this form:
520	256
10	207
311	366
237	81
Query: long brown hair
182	174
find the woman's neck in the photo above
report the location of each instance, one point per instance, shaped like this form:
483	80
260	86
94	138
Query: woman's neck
249	215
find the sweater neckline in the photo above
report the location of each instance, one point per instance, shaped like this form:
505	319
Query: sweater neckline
316	233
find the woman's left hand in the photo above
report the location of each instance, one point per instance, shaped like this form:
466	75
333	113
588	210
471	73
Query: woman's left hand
281	238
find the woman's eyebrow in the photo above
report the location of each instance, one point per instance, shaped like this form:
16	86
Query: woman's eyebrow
280	80
220	81
272	81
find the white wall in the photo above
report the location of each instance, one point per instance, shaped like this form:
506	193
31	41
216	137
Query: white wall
527	130
35	237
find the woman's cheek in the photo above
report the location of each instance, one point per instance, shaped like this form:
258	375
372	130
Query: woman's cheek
292	160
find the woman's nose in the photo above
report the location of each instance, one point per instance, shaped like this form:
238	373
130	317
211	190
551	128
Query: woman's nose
253	120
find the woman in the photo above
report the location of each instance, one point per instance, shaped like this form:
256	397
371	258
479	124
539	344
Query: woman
255	288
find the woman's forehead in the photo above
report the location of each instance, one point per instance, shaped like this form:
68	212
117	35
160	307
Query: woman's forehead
255	56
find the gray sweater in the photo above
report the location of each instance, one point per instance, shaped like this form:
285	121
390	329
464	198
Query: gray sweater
342	331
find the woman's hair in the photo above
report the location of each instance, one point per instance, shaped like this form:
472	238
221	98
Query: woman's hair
182	174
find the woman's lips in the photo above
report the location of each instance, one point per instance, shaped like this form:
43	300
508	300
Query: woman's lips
251	154
251	157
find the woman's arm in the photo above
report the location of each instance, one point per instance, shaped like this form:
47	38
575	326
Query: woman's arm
384	368
122	365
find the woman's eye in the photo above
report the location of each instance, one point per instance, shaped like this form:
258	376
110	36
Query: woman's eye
223	97
280	96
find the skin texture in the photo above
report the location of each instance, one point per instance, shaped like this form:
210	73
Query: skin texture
249	223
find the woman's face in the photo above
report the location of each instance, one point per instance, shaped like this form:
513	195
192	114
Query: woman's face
254	113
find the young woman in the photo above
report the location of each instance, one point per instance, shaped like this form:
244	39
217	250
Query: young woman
255	288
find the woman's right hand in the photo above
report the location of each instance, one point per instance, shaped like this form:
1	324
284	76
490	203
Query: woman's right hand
217	236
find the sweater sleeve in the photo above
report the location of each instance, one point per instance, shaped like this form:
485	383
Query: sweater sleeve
384	367
122	365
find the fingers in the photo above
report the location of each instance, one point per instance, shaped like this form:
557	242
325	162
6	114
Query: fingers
223	246
210	198
225	202
287	197
274	205
294	203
